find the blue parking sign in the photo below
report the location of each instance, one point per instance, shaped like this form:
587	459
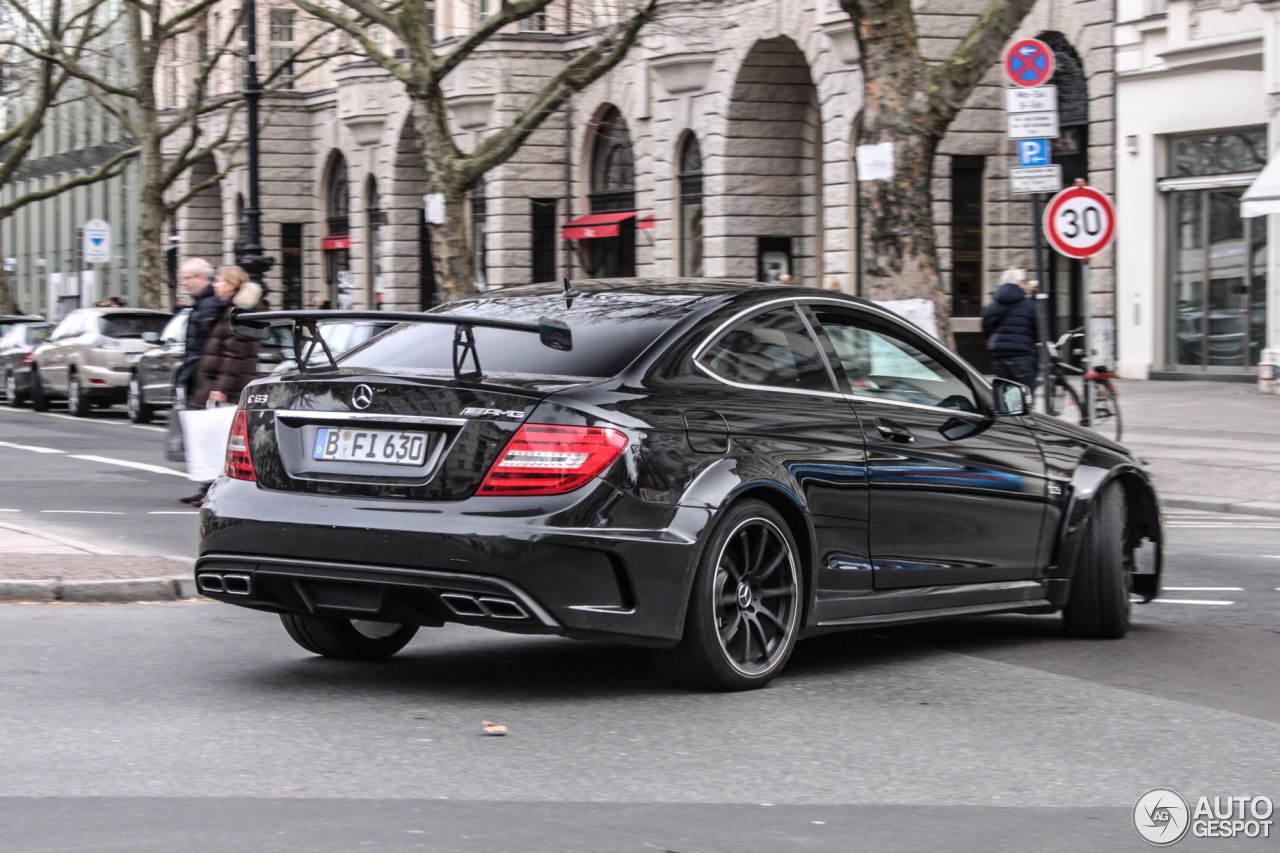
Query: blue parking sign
1033	152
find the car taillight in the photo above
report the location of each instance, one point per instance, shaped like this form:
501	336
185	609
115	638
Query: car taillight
239	462
552	460
28	358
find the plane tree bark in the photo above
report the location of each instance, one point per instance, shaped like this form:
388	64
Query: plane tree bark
910	104
422	71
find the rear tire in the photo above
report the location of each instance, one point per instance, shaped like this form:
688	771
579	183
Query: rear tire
347	639
744	609
78	403
39	401
1098	606
11	395
139	411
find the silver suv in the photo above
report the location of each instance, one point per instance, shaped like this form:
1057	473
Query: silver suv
90	355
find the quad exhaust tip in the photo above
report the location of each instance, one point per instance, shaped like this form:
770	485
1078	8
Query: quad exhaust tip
228	584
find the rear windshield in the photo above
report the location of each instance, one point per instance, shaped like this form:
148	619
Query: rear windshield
131	325
605	341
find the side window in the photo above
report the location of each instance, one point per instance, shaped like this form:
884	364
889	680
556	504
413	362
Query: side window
69	327
881	365
176	329
773	349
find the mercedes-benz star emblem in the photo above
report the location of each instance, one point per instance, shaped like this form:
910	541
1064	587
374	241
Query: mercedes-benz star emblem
362	397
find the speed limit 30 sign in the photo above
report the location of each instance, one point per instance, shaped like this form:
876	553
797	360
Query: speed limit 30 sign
1080	222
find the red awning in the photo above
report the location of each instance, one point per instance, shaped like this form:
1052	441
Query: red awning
329	243
596	225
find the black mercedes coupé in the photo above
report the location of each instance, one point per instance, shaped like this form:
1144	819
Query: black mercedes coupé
710	469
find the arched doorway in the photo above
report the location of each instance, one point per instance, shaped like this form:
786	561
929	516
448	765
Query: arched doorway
1063	276
690	181
613	190
337	242
772	166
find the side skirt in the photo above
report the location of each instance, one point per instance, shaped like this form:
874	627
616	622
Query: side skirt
896	606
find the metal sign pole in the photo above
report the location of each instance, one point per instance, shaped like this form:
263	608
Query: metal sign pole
1042	325
1086	286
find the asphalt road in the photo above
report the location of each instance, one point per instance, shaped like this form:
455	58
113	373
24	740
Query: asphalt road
201	727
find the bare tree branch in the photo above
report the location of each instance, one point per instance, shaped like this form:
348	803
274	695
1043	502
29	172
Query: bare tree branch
508	13
109	169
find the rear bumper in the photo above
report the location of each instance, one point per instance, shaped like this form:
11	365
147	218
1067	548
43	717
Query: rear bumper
522	568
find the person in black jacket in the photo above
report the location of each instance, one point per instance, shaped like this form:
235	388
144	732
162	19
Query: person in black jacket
197	276
1009	325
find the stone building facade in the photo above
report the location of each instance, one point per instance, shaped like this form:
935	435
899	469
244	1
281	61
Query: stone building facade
729	132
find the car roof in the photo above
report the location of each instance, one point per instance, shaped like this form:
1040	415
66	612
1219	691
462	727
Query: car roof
97	310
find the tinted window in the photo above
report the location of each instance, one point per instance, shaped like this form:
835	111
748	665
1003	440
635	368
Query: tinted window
882	365
131	325
34	334
773	349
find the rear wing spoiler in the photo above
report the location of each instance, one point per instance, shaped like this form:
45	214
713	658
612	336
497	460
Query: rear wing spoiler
306	328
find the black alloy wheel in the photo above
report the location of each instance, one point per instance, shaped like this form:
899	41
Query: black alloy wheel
1098	605
78	402
744	613
347	639
39	401
139	411
11	395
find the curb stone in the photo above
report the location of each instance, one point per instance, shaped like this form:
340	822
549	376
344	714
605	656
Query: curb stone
1232	505
107	591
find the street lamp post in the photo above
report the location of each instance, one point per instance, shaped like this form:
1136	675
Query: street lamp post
249	250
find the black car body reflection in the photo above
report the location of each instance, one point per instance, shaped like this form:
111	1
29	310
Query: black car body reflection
696	395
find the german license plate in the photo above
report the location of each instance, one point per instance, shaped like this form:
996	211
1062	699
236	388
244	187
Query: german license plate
387	447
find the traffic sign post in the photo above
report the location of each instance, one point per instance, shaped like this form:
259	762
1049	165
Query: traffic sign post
1080	222
1028	63
1033	152
96	243
1035	179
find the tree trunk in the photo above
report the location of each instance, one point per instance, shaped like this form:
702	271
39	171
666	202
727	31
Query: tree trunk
6	297
450	246
151	218
900	246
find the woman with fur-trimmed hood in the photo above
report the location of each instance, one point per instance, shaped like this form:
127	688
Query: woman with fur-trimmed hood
229	361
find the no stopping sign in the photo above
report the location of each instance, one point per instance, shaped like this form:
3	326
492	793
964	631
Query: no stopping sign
1080	222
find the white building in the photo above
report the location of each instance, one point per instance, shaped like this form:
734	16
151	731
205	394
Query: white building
1197	92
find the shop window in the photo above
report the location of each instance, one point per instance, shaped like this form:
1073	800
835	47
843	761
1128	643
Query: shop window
543	242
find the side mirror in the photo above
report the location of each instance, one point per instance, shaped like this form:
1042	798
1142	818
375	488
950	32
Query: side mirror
1011	398
151	337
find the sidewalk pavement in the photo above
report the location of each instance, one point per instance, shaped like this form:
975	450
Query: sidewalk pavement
1210	446
44	567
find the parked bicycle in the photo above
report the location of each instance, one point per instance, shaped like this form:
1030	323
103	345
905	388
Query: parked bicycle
1067	401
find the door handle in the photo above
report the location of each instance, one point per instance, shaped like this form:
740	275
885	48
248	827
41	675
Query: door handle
893	431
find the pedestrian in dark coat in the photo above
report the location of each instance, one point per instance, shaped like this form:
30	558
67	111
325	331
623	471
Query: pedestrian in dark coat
197	276
229	361
1010	327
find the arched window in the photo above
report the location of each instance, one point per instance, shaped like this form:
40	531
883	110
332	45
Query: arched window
479	233
690	177
613	170
613	190
338	198
373	215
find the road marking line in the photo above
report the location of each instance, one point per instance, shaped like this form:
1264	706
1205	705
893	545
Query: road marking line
1205	588
153	429
10	510
64	540
141	466
30	447
174	512
82	511
1191	601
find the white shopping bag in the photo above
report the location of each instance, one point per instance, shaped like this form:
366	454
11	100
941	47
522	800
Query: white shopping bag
204	432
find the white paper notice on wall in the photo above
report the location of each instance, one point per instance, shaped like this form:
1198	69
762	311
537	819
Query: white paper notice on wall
433	211
875	162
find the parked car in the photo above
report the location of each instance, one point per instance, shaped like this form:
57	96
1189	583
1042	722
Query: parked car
8	321
16	346
705	468
89	357
151	386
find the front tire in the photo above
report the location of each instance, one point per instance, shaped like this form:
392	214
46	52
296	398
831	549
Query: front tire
744	610
39	401
78	403
347	639
1098	606
139	411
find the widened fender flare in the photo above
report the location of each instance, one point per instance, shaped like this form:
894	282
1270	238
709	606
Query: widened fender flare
1098	468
